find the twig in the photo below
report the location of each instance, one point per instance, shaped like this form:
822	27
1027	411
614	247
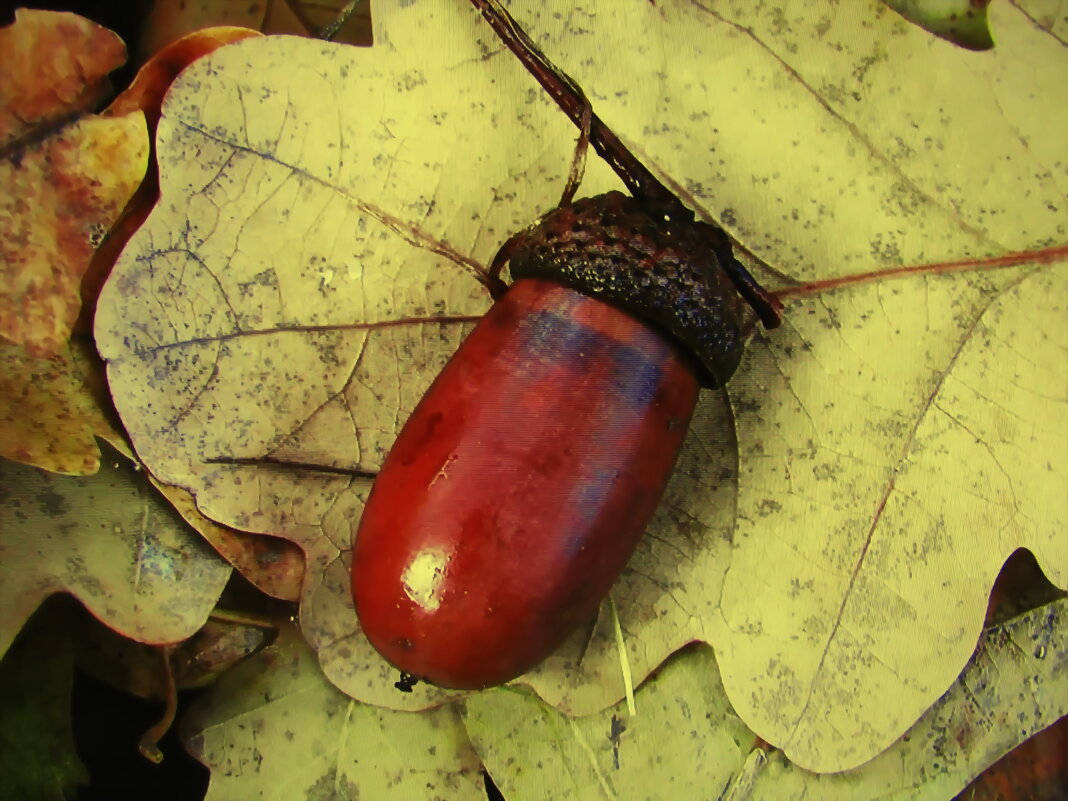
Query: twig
328	32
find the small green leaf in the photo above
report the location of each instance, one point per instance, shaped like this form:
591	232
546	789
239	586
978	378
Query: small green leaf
962	22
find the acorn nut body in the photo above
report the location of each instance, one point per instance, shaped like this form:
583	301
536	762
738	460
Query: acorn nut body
525	477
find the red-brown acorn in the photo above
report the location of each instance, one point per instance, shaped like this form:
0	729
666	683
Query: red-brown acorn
521	484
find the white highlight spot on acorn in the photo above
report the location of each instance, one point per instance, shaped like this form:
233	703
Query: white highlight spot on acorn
423	576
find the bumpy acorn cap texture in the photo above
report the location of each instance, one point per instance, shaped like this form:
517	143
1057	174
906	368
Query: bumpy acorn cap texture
664	272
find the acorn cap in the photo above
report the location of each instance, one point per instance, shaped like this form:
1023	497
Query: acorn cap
662	271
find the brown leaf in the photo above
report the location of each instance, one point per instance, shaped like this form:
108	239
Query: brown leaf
137	668
1030	772
65	176
50	410
281	19
317	15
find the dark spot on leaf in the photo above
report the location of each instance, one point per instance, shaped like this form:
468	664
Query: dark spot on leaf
768	506
52	503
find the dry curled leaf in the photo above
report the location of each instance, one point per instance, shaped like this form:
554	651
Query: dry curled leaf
273	565
1033	770
317	15
138	669
172	20
110	541
65	174
273	324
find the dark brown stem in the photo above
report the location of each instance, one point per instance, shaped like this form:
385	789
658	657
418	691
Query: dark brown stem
573	102
578	160
331	30
149	744
657	198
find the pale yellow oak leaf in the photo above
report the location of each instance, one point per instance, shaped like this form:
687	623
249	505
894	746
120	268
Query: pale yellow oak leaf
686	742
274	727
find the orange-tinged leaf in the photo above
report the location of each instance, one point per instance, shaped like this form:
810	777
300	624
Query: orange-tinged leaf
65	177
50	410
109	540
272	564
55	65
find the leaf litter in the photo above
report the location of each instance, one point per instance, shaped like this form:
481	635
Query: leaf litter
240	326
